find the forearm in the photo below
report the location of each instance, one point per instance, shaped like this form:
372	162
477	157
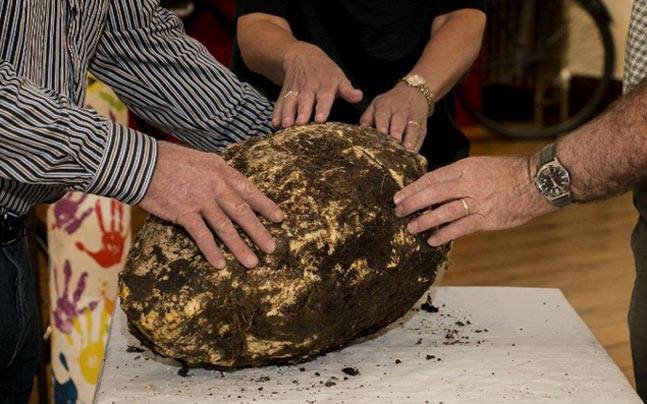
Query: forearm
46	140
608	156
453	47
264	42
173	82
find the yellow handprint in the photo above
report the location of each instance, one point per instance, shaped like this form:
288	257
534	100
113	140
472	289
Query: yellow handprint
91	354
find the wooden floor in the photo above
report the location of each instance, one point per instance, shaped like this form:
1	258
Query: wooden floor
582	250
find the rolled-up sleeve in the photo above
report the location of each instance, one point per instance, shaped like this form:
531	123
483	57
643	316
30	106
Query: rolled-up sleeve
172	81
47	140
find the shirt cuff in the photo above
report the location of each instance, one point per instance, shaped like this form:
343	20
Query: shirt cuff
127	165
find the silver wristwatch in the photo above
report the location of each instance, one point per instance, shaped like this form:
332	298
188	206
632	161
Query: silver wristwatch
552	179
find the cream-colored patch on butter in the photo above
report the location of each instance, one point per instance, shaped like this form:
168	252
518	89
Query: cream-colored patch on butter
224	329
215	357
362	152
193	306
172	316
399	178
402	237
392	264
263	346
360	268
149	320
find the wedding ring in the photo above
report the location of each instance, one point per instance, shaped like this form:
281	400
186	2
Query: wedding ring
289	93
414	123
467	208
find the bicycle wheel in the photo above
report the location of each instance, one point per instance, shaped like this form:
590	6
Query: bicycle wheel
544	69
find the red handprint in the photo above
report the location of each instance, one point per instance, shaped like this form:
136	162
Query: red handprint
112	240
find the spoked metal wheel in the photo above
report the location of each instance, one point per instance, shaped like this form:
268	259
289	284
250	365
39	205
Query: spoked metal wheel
544	69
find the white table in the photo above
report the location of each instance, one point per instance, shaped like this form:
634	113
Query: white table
536	350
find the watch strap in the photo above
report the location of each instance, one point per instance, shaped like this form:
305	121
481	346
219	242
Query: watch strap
546	156
562	200
426	92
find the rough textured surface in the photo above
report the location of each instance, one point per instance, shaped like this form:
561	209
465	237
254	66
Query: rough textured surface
344	265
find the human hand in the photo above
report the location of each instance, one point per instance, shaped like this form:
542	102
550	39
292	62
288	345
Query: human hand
401	113
312	81
200	191
477	193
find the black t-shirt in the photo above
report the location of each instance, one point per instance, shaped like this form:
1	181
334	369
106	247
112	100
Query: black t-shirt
375	43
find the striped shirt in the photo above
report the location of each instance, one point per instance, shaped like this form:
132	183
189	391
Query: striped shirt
50	144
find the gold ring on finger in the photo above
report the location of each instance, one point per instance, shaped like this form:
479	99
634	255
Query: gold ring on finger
467	208
289	93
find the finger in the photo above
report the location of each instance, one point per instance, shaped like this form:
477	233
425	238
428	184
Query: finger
200	233
445	213
368	117
278	111
397	125
349	93
253	196
412	135
306	103
382	118
240	212
459	228
222	225
429	196
325	99
289	109
421	137
442	174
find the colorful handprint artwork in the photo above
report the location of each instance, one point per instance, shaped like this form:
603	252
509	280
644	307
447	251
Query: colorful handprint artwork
112	239
88	238
66	307
65	393
66	212
92	342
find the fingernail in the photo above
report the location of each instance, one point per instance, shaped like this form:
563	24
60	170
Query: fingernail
412	227
220	264
320	117
287	123
432	242
408	145
279	216
397	198
271	246
252	261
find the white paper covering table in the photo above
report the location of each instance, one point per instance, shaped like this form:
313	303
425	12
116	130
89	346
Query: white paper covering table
515	345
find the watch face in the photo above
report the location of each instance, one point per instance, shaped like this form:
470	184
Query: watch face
415	80
553	180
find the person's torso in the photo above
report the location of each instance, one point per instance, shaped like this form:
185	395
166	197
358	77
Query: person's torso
375	43
635	72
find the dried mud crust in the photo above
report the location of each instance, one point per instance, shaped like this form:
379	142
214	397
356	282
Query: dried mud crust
344	265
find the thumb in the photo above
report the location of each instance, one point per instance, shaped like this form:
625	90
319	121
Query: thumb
349	93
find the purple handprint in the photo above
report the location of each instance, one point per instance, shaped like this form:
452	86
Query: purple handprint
65	211
67	310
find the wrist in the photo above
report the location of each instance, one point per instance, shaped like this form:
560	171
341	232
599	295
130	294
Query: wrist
296	50
537	203
416	95
419	83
